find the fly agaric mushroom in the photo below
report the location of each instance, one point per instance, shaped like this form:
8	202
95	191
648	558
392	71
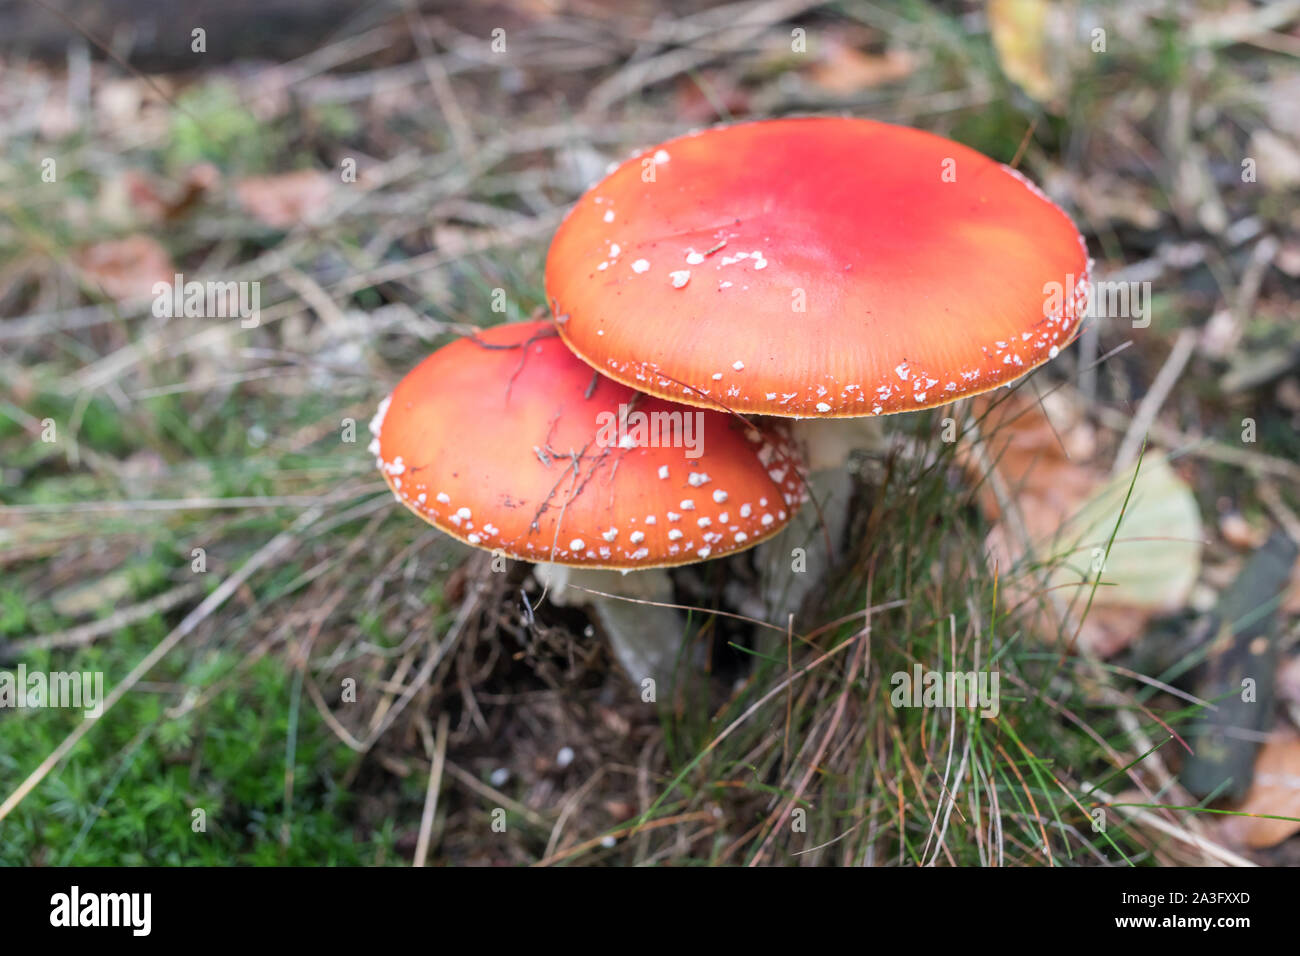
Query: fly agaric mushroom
816	268
509	443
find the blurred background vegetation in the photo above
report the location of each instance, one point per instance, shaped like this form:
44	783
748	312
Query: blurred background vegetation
199	526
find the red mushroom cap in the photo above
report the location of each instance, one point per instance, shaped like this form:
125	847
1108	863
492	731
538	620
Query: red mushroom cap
508	442
816	267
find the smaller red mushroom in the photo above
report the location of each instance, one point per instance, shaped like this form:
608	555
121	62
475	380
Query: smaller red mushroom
508	442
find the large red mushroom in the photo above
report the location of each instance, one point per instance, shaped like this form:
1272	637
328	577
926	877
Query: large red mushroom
819	267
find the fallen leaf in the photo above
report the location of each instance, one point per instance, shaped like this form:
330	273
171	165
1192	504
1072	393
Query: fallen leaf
1066	512
1020	36
125	269
139	197
1275	791
285	200
143	195
1156	556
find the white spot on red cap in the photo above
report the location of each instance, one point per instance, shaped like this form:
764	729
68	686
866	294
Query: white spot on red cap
377	423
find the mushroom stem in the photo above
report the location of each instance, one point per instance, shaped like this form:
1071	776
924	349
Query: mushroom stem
795	563
646	638
830	442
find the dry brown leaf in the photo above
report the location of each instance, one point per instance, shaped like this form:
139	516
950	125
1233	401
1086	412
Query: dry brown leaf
140	197
1275	791
143	195
1026	449
287	199
125	269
